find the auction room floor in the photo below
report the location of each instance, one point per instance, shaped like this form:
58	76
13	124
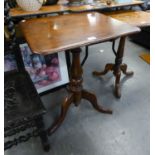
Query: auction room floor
87	132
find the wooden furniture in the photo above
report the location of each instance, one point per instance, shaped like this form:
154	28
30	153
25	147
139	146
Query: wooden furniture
102	5
23	108
55	34
140	19
18	12
143	38
60	8
134	18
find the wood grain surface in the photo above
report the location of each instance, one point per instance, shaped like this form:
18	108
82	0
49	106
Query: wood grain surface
135	18
58	33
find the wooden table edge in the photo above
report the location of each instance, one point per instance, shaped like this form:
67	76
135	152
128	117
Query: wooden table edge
69	9
75	45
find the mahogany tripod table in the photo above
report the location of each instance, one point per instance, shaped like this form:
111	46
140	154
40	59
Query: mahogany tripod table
134	18
69	33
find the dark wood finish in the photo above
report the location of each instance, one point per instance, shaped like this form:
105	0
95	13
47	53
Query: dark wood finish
23	108
54	34
42	133
67	32
76	92
135	18
140	19
118	62
59	8
116	68
39	131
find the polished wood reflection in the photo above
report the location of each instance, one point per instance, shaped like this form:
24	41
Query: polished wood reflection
76	92
58	33
135	18
70	32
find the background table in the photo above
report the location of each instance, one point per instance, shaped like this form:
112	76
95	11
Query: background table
135	18
59	8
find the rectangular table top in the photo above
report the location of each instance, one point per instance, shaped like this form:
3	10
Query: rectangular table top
53	34
135	18
18	12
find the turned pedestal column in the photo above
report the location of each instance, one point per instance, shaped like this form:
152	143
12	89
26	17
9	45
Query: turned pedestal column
76	92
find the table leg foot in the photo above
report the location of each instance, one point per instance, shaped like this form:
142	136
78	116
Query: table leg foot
108	67
118	91
64	108
117	85
123	68
93	100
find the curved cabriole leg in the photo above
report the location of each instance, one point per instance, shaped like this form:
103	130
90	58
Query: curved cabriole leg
93	100
64	108
117	67
108	67
124	70
76	91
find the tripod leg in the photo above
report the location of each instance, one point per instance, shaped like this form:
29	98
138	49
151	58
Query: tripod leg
124	70
108	67
93	100
117	86
64	108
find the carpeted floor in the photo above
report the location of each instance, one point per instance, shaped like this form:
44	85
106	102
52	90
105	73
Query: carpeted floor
87	132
